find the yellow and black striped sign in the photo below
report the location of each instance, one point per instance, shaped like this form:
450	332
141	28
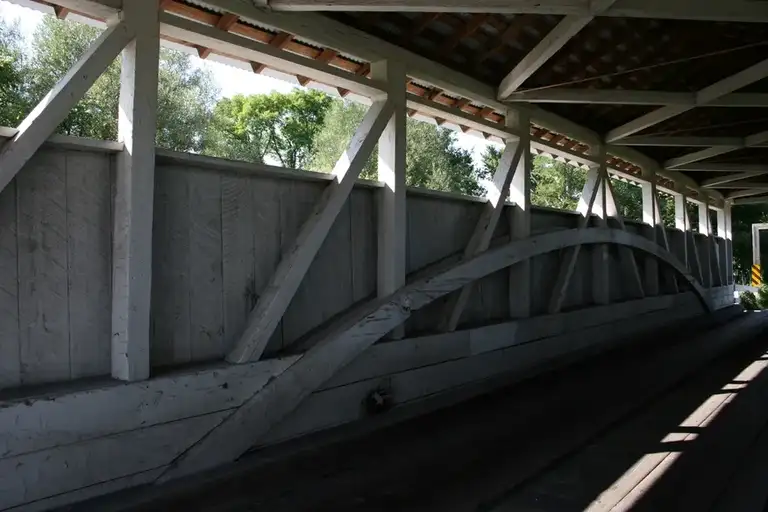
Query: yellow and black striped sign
757	275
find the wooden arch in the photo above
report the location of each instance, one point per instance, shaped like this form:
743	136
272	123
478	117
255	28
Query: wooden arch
362	327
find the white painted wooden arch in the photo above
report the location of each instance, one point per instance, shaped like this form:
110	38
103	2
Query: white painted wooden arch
362	327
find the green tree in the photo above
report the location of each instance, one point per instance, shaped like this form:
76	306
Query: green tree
553	184
433	160
185	94
12	74
281	126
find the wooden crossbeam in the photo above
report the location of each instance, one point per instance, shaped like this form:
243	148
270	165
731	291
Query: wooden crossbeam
489	220
629	97
226	21
55	106
353	335
703	97
291	270
729	178
753	140
568	263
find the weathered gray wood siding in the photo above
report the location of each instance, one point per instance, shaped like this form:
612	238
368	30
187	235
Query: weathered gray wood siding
55	269
218	234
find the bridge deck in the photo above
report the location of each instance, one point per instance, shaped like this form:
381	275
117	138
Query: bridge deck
672	424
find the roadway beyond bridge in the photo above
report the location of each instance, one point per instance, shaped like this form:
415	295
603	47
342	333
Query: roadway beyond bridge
674	420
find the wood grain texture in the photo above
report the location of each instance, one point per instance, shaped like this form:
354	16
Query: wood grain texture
357	331
43	301
47	421
89	227
271	218
238	254
10	363
363	221
327	286
206	294
46	473
170	276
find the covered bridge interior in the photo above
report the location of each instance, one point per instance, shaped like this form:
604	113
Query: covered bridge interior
163	314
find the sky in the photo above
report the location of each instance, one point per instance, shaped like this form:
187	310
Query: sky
229	79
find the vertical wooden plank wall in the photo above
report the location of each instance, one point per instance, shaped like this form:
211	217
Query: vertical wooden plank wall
10	362
55	269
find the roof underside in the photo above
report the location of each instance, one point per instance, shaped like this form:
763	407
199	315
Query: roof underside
631	54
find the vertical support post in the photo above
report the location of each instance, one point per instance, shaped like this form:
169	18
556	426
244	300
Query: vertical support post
683	224
391	171
520	226
722	272
728	235
705	229
132	243
649	217
600	259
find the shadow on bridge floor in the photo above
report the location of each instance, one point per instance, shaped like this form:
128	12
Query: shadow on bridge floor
616	432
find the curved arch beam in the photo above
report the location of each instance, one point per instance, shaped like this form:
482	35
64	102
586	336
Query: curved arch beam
364	326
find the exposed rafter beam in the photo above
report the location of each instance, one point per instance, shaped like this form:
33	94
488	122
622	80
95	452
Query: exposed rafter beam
750	141
682	142
699	167
734	10
750	200
625	97
542	52
703	97
549	46
697	156
747	193
729	178
741	185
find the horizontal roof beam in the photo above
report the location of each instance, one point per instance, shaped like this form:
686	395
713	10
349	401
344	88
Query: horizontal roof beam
706	95
750	200
714	10
730	178
753	140
681	142
626	97
715	167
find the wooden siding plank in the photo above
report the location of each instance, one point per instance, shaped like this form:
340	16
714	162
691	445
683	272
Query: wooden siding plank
89	227
206	294
269	233
363	221
43	301
170	276
57	470
238	254
10	364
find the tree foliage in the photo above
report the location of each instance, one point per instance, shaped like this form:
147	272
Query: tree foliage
185	95
433	160
12	78
281	126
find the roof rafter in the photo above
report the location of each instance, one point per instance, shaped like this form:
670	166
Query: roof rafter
750	141
729	178
628	97
734	10
703	97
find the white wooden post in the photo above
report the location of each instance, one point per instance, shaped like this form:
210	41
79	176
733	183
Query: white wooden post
520	225
293	267
705	229
509	166
392	229
55	106
717	242
728	235
571	256
135	183
683	224
626	256
600	259
649	218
